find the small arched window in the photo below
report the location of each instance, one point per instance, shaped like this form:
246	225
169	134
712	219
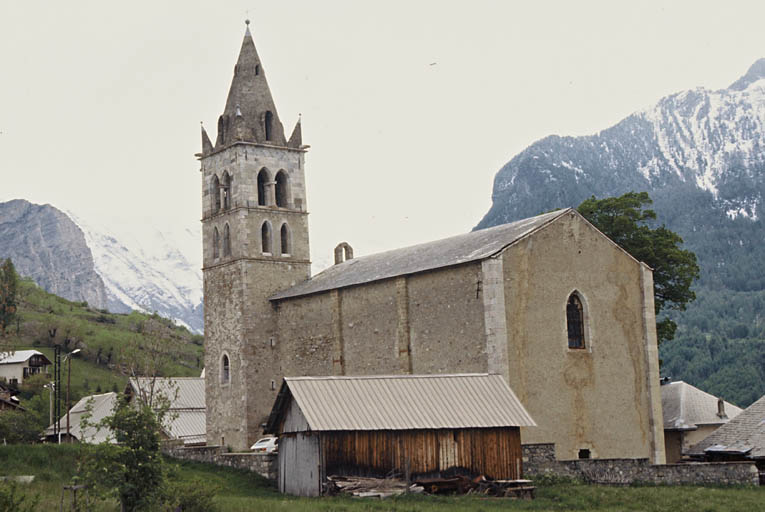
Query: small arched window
268	121
575	321
263	179
282	189
285	239
216	244
215	193
265	238
226	241
225	369
227	190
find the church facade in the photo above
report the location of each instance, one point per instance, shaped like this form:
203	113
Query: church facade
550	303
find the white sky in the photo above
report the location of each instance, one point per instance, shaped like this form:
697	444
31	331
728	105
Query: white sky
100	101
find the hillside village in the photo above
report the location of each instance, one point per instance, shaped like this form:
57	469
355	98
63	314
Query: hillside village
472	364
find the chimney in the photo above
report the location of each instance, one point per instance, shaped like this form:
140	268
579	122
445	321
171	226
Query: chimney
343	252
721	408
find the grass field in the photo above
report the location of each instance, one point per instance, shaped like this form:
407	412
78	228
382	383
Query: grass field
240	491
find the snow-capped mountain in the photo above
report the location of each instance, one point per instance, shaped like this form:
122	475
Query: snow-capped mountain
148	267
698	141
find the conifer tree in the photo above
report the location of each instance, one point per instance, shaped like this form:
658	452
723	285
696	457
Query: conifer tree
8	288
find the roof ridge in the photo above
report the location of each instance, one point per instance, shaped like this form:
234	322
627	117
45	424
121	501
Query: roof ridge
391	376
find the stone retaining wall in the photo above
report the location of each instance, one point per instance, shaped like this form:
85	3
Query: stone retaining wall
539	459
264	464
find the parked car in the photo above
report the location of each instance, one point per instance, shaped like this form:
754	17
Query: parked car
266	445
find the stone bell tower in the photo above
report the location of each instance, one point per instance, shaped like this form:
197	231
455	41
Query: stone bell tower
255	243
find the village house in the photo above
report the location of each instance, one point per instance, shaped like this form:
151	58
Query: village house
560	312
690	415
17	365
410	425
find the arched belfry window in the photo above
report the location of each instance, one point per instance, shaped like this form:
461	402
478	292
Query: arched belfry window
226	241
285	239
225	369
282	189
216	243
265	238
263	179
226	192
215	194
268	121
575	321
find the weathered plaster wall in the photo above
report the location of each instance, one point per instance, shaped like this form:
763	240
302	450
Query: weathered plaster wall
596	398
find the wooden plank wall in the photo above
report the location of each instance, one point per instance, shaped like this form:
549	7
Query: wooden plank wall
493	452
299	465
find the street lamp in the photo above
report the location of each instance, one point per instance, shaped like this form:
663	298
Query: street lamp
68	357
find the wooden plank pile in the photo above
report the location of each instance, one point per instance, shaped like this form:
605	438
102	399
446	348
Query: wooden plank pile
365	487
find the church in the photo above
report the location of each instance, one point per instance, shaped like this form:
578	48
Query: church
552	305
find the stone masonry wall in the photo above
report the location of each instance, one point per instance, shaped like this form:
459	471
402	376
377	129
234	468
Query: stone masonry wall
264	464
539	459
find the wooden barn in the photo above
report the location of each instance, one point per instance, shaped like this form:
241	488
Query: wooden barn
423	425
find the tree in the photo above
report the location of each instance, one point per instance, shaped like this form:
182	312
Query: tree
625	220
132	470
8	287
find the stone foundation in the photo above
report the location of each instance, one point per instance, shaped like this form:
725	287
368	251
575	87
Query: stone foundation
539	459
264	464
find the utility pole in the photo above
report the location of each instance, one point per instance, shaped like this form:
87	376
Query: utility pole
68	382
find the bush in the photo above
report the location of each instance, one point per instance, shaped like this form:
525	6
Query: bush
11	500
19	427
194	495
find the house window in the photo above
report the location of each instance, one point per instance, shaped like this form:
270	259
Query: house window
263	179
225	370
575	321
584	453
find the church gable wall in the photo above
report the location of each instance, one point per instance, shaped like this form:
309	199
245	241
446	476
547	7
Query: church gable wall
594	398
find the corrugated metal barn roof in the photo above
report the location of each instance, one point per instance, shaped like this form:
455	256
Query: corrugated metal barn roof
186	416
402	402
447	252
99	407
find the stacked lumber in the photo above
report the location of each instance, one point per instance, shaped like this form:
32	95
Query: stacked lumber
365	487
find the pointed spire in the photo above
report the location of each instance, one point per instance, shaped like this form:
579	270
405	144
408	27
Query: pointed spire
250	98
296	139
207	146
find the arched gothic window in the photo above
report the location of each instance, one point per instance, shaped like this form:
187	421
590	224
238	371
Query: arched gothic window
225	369
282	189
227	190
268	121
215	194
285	239
226	241
265	238
216	241
263	179
575	321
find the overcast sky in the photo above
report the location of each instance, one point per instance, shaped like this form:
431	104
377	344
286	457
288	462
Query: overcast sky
410	107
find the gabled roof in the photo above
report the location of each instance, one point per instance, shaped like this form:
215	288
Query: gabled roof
186	418
473	246
100	406
687	407
19	356
401	402
743	435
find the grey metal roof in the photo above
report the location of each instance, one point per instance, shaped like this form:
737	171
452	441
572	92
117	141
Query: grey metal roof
402	402
19	356
744	434
186	415
447	252
687	407
100	406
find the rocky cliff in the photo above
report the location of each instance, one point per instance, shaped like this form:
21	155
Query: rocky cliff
47	246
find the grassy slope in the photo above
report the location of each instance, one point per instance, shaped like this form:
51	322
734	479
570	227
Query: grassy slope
102	338
243	491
